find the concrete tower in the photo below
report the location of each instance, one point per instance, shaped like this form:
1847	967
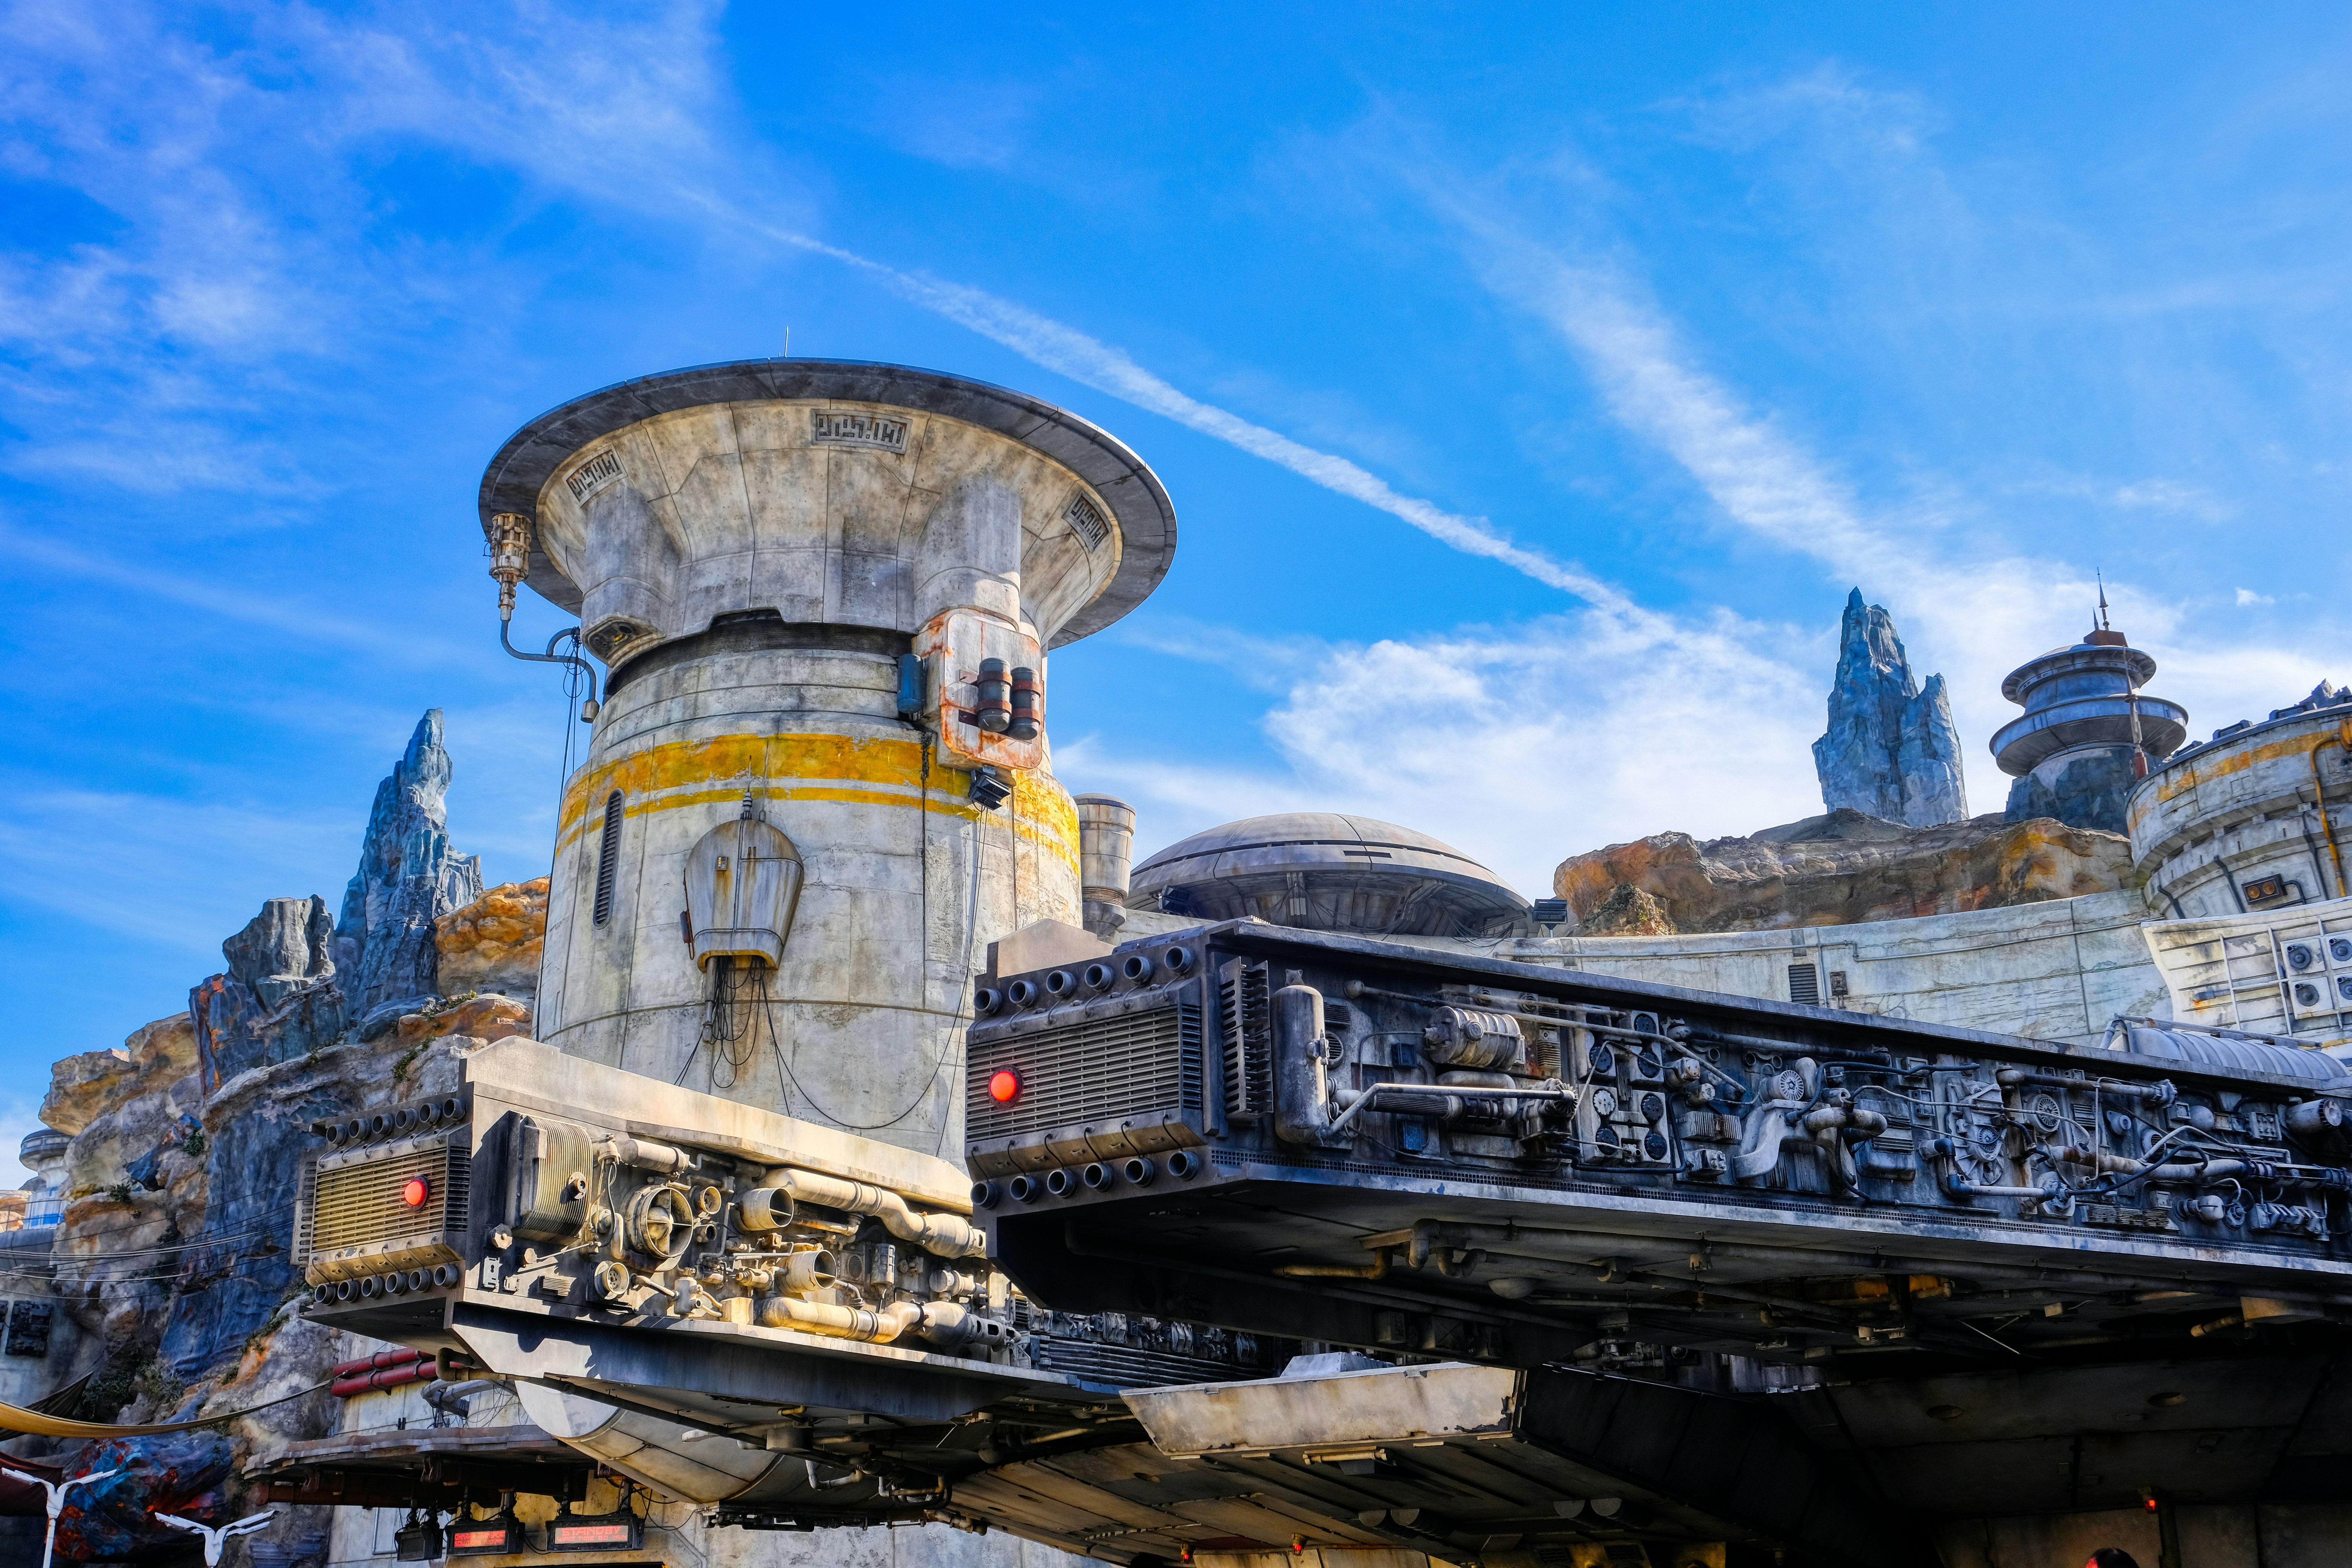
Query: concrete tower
2087	736
818	786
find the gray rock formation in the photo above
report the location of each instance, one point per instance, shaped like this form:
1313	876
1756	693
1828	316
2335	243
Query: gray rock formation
1892	751
287	946
2089	791
408	878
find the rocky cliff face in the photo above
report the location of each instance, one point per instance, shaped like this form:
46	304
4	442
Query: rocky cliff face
1839	868
173	1253
1892	751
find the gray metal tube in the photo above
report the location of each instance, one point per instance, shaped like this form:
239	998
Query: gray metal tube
1302	1103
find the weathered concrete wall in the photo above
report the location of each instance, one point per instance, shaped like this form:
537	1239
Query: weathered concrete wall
2287	972
908	881
2052	971
746	505
2215	818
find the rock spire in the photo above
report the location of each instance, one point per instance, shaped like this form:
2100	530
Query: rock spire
408	878
1892	751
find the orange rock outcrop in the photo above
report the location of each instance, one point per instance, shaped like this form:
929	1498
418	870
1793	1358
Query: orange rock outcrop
494	942
1844	868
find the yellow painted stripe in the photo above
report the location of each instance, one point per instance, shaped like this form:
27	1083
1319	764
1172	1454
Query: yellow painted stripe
887	773
2208	770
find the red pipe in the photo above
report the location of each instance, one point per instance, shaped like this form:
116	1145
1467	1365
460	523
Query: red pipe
399	1356
387	1377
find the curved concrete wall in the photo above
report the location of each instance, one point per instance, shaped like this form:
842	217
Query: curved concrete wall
2245	810
908	881
729	507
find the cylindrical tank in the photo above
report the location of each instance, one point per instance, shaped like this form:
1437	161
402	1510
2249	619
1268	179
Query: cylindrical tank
1106	851
792	569
682	1461
2256	820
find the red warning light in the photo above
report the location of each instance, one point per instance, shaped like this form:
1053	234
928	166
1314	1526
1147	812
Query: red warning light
414	1190
1003	1084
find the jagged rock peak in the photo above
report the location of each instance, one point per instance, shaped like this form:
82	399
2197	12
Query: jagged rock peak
1892	749
289	944
408	878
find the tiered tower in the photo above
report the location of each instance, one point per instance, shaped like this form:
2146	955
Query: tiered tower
2087	735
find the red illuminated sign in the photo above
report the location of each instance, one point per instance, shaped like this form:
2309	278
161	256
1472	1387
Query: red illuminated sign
604	1532
414	1190
484	1538
1003	1084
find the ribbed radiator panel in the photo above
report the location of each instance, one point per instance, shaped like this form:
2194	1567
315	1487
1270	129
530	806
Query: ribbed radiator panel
359	1204
1098	1069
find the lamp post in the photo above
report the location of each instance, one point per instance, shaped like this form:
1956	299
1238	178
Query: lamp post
56	1491
217	1538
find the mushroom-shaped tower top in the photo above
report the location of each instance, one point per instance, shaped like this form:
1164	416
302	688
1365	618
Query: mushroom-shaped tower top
827	493
2087	734
1321	871
2084	696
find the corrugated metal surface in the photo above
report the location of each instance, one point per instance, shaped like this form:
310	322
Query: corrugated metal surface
1095	1069
2236	1055
1245	1008
359	1204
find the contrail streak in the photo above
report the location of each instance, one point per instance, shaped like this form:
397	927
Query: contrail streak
1068	351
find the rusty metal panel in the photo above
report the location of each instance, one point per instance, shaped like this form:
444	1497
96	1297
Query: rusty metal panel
1400	1403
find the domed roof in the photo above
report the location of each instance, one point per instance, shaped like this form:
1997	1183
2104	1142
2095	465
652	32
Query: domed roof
1320	871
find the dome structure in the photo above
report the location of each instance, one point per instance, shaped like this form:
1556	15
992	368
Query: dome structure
1318	870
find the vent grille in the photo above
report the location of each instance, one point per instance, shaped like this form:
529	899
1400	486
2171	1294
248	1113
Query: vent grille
359	1204
608	857
306	1207
1094	1069
1243	1005
1805	984
1123	1367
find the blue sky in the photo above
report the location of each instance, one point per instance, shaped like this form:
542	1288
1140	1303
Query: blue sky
1531	382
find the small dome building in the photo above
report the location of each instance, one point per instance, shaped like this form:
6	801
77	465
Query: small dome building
1318	870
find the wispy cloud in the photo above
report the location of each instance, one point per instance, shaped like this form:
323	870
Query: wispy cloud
181	903
197	592
1516	744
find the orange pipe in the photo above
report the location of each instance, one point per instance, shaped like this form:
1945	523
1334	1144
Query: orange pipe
2343	738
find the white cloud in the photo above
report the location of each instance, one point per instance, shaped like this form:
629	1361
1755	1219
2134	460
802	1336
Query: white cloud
1519	746
1969	606
2247	596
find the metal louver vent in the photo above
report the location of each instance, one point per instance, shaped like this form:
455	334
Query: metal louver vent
608	857
1094	1069
1244	1006
356	1218
1805	984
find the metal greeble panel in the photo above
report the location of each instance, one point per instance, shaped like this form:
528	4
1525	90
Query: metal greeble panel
1088	1070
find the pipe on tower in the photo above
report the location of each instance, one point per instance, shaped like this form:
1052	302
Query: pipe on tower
1106	854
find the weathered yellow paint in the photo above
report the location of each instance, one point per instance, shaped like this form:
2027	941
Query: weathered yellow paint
679	772
746	757
2202	771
